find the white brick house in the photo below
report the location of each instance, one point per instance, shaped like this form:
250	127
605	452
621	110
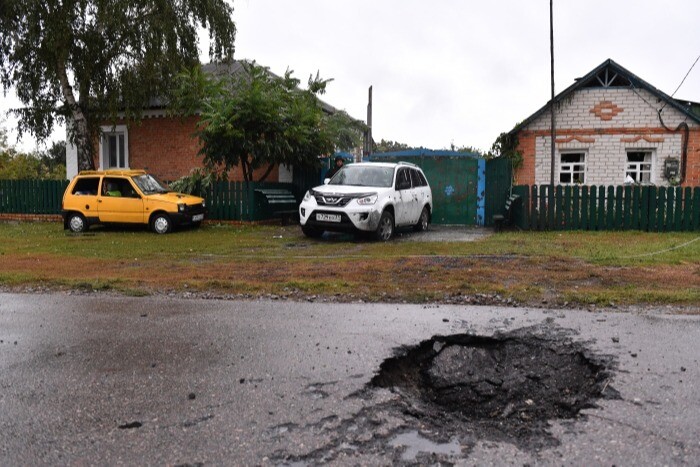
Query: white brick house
612	127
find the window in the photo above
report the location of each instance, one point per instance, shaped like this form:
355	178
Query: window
114	148
572	168
638	166
415	179
86	186
403	180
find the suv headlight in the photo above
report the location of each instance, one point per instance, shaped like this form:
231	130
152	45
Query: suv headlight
308	196
181	208
204	204
367	200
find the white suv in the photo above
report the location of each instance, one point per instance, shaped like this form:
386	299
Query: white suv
369	197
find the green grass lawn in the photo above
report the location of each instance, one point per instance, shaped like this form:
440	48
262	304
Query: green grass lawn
574	267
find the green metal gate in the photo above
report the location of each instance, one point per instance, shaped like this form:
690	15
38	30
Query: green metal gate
453	179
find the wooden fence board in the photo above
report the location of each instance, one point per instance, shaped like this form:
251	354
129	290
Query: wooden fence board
678	209
572	207
696	208
601	208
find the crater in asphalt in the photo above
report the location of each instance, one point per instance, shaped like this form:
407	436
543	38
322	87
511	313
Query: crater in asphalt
433	402
514	380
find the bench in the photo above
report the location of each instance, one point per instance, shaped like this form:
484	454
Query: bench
499	220
281	203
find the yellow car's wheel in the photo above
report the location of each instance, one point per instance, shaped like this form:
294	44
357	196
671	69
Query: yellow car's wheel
77	223
161	223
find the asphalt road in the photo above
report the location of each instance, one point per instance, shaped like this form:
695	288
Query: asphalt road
98	379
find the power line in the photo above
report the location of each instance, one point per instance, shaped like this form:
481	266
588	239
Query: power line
682	81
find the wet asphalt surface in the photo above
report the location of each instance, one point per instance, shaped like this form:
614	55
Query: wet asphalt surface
98	379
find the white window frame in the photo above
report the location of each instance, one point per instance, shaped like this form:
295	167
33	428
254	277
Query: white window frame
568	167
115	130
636	167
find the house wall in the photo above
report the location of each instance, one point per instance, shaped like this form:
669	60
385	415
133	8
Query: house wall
605	123
165	147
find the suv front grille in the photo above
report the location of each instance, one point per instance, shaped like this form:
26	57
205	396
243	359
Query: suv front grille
332	200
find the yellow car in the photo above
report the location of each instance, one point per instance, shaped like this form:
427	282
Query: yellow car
127	197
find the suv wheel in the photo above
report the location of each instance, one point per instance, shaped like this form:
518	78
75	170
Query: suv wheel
160	224
77	223
423	220
385	230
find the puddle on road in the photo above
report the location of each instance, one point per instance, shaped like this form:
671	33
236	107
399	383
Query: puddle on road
416	444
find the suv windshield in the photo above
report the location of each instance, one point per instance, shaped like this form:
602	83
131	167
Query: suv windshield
149	185
357	175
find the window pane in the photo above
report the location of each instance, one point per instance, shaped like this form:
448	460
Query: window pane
121	151
112	151
568	158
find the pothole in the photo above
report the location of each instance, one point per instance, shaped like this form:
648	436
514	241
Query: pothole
449	393
514	382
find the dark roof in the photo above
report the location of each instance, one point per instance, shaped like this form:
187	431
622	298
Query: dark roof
610	73
237	67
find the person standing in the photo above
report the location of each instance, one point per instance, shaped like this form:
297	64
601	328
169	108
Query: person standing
339	163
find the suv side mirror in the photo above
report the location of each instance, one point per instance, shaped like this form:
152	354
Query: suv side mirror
326	181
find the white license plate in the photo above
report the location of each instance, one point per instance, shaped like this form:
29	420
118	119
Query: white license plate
328	217
197	217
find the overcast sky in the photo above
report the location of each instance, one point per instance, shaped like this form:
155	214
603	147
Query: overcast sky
462	71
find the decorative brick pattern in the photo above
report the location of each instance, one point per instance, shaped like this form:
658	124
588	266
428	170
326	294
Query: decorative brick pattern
606	110
580	139
648	139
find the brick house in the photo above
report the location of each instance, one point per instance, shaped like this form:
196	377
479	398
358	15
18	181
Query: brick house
162	144
612	127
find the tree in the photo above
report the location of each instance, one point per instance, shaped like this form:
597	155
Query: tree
82	62
54	156
389	146
506	145
255	119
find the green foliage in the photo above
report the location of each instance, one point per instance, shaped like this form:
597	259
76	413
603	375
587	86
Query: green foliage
468	149
254	119
21	166
389	146
506	145
198	182
54	156
47	165
85	61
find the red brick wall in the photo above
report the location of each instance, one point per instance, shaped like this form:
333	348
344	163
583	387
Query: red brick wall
692	165
525	175
7	217
168	148
165	147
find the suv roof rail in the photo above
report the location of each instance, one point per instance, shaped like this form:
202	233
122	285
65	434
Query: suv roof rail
407	163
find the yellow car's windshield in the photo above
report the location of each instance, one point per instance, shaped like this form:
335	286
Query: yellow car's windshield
149	185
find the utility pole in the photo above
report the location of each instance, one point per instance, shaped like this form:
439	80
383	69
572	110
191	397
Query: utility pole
551	51
368	134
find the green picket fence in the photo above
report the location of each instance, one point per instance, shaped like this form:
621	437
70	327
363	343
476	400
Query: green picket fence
225	200
648	208
31	196
240	201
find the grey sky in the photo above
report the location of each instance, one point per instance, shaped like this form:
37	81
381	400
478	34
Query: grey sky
451	71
